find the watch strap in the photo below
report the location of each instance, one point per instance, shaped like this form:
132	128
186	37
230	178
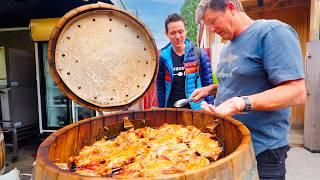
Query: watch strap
247	107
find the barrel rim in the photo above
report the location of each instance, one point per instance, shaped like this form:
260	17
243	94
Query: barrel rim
43	151
53	43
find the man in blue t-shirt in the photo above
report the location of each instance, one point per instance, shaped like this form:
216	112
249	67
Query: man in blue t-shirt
260	76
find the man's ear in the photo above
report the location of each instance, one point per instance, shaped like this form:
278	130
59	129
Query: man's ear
231	6
166	33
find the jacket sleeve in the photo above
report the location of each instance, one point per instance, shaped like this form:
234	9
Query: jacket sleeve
206	73
161	89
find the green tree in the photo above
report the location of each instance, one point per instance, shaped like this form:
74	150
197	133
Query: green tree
188	12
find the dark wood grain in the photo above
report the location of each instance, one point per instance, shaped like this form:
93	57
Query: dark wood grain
184	117
160	117
171	116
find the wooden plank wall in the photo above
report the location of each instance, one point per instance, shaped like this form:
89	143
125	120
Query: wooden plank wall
299	18
314	20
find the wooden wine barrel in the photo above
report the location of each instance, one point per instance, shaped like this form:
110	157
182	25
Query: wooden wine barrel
2	153
238	161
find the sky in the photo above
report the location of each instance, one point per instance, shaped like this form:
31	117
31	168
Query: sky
153	13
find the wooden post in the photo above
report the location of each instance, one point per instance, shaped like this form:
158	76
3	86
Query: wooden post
314	20
311	127
311	139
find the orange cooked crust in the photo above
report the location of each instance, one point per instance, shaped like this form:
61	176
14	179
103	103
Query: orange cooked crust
148	152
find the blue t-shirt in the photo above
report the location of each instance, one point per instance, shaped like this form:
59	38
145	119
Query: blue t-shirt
264	55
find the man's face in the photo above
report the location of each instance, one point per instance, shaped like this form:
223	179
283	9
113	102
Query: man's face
220	22
176	33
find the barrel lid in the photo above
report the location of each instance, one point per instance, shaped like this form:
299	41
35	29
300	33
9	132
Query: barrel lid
102	57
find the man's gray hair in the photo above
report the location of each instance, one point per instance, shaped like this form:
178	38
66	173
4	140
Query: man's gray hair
201	9
214	4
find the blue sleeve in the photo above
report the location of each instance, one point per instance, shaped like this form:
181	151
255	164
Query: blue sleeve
161	89
206	73
281	54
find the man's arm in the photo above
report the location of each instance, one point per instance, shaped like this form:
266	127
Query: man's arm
287	94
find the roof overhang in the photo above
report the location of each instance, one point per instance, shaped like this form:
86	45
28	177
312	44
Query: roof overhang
251	6
18	13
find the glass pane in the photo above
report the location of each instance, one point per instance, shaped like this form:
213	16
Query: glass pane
80	113
56	101
57	117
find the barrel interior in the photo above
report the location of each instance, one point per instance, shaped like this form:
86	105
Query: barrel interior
62	144
69	142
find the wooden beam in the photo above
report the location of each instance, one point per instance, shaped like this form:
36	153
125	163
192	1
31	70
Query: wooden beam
248	1
200	34
314	20
311	140
282	5
273	5
251	6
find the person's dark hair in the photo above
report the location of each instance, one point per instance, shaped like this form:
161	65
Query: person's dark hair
173	18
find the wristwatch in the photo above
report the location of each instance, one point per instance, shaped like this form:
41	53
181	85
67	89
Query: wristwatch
247	107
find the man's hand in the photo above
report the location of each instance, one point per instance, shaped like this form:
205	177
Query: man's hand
207	107
230	107
203	92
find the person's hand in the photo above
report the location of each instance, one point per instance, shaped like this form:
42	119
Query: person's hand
207	107
201	93
230	107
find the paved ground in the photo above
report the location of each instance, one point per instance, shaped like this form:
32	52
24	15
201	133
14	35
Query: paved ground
27	154
301	164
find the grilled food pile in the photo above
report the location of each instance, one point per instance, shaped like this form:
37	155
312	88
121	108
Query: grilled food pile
148	152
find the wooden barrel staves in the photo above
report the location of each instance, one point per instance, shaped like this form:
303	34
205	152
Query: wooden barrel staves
238	161
2	153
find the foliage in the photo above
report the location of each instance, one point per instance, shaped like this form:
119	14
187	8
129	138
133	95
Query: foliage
188	12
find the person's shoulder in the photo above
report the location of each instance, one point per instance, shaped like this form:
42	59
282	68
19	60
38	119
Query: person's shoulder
168	46
191	45
269	25
270	22
166	50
